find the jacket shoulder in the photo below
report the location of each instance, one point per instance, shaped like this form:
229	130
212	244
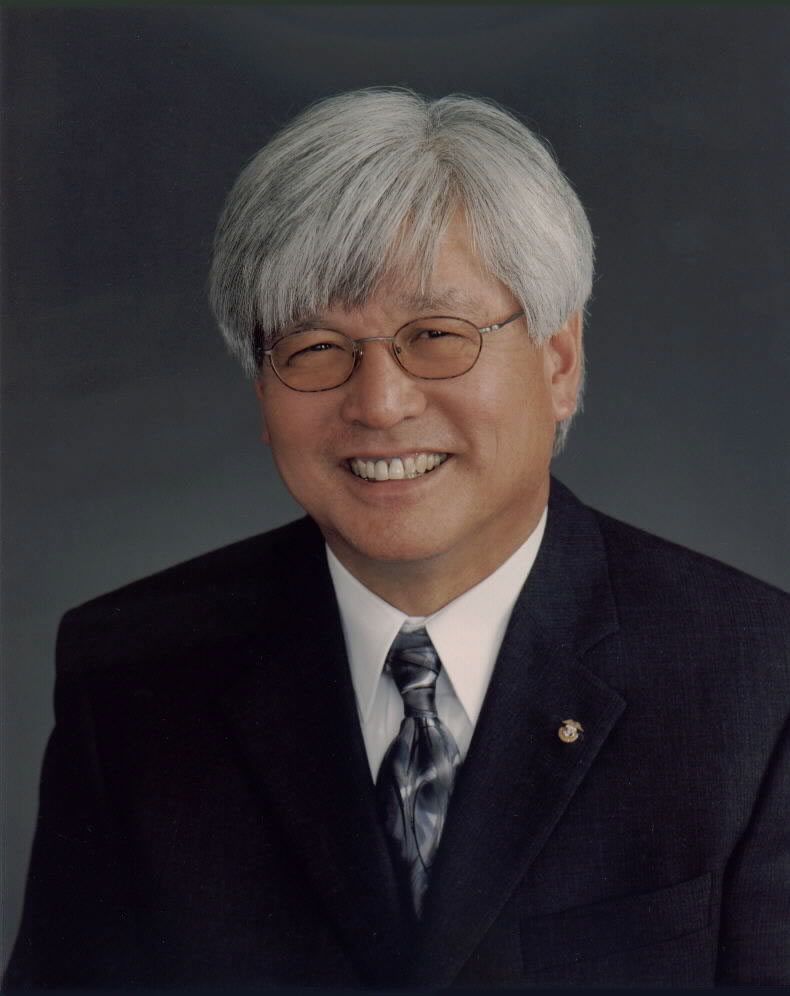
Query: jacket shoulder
183	610
651	574
237	562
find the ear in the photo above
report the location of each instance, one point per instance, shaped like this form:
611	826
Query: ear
265	436
563	366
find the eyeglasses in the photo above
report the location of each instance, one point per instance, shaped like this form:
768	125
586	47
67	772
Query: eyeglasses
435	348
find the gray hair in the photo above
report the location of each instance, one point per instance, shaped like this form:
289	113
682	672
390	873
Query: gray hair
362	185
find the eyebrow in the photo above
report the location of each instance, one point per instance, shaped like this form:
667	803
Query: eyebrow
448	300
448	297
306	322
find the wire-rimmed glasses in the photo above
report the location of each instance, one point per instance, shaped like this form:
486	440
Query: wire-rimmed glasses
433	348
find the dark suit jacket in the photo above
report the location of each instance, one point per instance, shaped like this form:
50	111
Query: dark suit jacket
207	811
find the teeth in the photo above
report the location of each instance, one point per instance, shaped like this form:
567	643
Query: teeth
398	468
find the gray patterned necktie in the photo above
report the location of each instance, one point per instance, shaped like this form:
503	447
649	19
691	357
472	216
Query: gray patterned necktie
417	774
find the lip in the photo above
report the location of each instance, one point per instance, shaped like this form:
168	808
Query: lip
384	455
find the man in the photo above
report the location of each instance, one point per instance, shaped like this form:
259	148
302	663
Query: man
453	728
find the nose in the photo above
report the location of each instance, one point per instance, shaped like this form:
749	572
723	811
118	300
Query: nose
381	394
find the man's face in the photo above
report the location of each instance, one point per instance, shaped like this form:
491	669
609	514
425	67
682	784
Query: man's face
459	521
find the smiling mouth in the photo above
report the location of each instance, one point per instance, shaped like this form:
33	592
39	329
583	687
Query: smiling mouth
397	468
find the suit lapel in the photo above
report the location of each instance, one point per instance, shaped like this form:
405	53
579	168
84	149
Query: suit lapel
310	763
519	775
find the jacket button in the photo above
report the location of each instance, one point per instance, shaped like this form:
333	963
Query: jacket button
570	731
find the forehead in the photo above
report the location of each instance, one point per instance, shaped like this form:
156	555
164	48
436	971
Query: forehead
450	280
456	282
403	304
438	298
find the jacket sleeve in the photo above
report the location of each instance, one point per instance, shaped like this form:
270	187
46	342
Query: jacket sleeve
755	926
77	928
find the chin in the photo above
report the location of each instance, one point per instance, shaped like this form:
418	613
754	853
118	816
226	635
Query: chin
389	546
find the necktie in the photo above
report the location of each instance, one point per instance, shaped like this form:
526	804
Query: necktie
416	777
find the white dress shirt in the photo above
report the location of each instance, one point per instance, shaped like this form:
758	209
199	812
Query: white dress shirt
467	634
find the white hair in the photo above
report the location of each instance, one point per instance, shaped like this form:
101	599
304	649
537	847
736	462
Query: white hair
362	185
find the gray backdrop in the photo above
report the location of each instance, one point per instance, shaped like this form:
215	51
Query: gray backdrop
130	440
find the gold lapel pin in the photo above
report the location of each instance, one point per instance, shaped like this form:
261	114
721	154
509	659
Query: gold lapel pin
570	731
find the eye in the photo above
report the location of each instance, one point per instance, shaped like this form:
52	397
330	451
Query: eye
299	352
319	347
430	334
316	346
434	333
438	336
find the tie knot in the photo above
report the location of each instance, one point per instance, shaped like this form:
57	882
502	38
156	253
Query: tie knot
415	665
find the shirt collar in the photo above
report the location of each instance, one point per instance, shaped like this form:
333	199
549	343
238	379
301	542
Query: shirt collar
467	632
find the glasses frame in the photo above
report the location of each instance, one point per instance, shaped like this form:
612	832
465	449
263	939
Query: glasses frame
358	350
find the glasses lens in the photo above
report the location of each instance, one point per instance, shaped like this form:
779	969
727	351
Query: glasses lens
438	348
313	361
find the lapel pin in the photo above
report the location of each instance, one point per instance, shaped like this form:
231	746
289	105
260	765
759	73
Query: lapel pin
570	731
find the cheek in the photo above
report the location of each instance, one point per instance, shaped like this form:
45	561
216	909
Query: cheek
297	434
514	415
281	418
279	432
264	409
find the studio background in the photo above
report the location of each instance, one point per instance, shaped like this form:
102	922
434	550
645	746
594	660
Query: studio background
130	440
